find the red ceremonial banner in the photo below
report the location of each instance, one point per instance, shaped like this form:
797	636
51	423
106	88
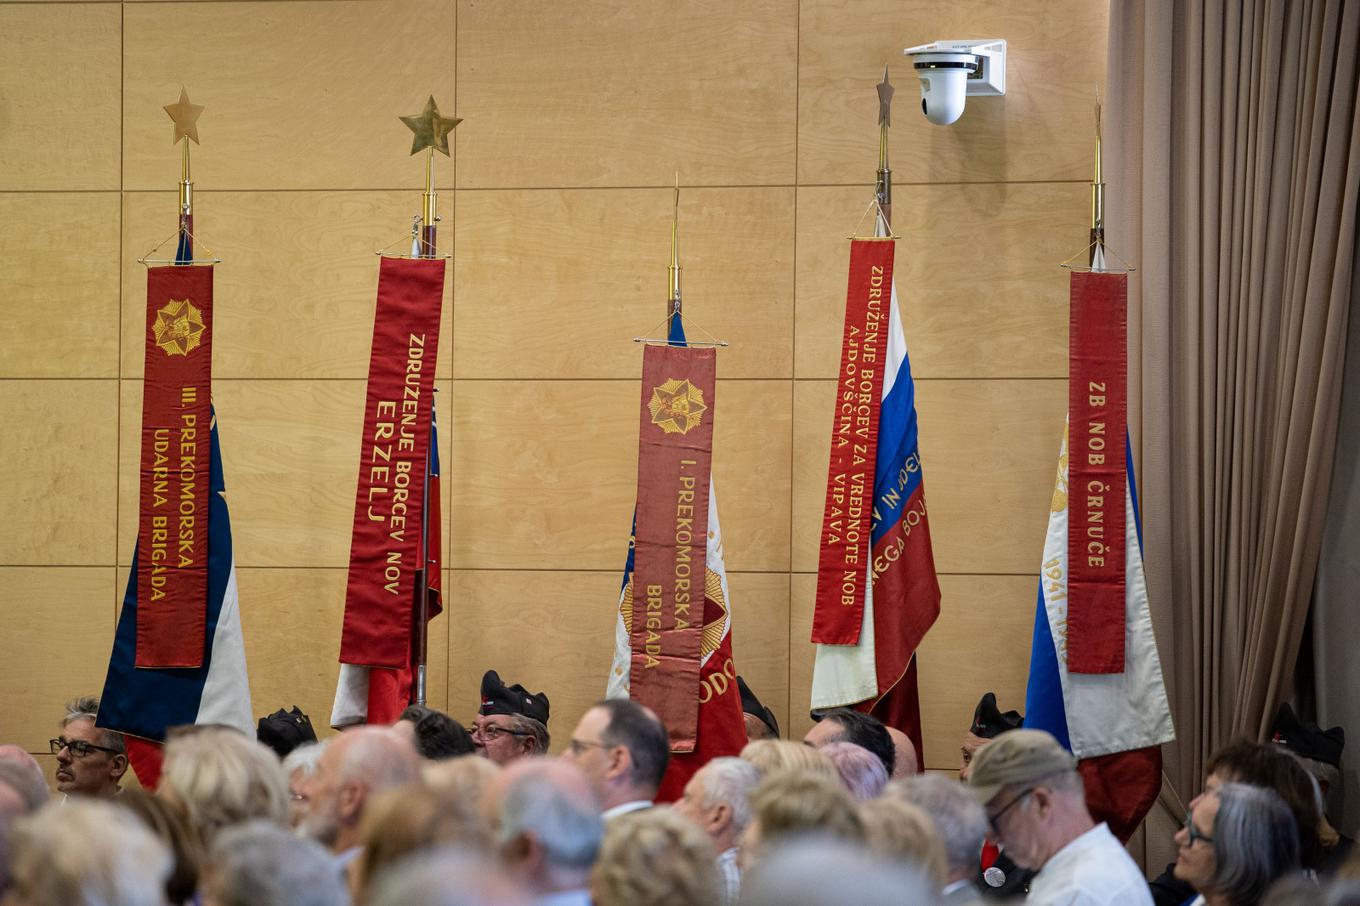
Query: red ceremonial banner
172	528
1097	392
843	565
385	547
675	454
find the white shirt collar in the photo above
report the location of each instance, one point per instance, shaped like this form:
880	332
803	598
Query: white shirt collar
625	807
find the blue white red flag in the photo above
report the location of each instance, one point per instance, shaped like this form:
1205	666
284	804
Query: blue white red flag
144	703
1114	723
378	695
902	600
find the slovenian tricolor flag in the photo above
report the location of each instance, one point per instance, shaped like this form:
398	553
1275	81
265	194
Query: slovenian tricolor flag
902	599
1115	723
144	703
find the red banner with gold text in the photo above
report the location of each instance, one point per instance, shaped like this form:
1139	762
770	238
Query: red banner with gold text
172	527
385	546
675	455
1098	403
843	565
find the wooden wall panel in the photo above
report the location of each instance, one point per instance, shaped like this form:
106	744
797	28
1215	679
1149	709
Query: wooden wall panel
613	93
578	118
290	458
960	658
291	622
63	296
554	284
295	292
55	646
989	451
978	279
574	443
60	488
553	631
297	95
59	80
1043	129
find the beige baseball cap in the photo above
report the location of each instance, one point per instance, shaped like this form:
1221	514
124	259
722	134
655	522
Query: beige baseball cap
1018	757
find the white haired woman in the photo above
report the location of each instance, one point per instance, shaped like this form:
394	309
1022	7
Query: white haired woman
1236	842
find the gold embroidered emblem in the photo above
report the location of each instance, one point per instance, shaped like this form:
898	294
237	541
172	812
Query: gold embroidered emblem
179	327
677	406
1059	502
713	631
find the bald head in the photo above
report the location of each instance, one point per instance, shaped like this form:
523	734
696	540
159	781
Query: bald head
355	766
28	772
906	764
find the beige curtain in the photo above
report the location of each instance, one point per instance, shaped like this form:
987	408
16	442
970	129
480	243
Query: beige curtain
1233	171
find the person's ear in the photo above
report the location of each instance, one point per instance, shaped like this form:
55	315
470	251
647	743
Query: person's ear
719	819
620	762
118	766
349	800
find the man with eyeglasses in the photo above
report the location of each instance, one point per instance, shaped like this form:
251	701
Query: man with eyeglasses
623	749
512	723
1036	805
90	761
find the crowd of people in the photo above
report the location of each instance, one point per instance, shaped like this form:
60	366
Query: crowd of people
427	811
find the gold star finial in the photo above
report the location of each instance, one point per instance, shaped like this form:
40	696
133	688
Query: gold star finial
431	130
185	116
885	93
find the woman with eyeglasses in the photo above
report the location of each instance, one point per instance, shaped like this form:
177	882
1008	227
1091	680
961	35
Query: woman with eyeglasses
1237	841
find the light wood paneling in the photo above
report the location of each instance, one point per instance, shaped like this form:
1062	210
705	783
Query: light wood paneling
546	473
59	491
554	631
988	450
613	93
291	619
62	296
1042	129
978	281
553	284
59	116
290	457
55	647
297	95
295	294
959	659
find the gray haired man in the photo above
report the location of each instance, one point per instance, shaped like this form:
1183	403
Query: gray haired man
718	799
548	828
90	761
961	823
1036	805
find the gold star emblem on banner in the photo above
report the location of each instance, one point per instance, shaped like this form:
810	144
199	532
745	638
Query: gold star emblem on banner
885	95
179	327
185	116
677	406
431	130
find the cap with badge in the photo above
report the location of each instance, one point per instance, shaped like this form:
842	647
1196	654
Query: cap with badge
989	721
498	698
1017	758
1308	740
752	706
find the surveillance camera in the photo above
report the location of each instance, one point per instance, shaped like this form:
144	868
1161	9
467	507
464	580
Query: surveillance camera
951	70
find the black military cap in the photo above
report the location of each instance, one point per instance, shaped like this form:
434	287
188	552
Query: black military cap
752	706
498	698
988	720
1308	740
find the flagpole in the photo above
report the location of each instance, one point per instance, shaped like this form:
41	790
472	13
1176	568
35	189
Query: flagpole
1097	197
883	188
186	200
673	303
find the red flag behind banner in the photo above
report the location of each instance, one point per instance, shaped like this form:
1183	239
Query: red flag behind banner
675	453
1097	400
385	548
843	565
172	530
